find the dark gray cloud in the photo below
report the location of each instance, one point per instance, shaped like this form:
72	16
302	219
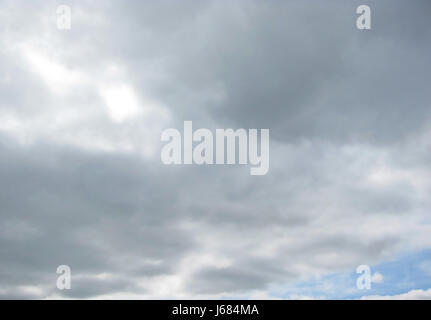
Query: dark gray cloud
298	69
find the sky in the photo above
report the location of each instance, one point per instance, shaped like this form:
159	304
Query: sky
82	183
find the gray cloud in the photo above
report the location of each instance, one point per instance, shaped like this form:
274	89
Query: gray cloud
350	126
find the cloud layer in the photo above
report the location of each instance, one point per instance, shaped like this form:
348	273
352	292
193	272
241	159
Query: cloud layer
81	113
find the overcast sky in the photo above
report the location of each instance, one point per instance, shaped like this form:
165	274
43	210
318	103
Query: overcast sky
82	183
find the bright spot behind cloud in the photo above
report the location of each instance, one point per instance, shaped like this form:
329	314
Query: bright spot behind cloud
121	102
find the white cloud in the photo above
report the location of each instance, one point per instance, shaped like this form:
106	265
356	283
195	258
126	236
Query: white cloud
411	295
58	77
377	277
